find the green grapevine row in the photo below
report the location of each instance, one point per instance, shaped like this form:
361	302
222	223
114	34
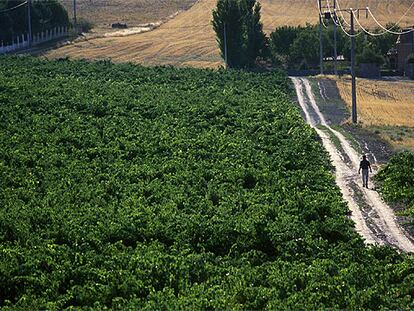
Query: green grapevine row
396	180
124	187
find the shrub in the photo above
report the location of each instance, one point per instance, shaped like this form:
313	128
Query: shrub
84	25
370	56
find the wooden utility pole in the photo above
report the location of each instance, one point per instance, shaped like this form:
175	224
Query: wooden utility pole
352	11
225	47
354	99
335	41
320	38
29	22
75	20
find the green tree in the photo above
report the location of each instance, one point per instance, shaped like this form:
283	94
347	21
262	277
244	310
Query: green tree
45	15
227	18
239	20
304	50
282	38
386	41
255	41
370	55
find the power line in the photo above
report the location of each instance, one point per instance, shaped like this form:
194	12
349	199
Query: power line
14	8
367	31
345	31
321	17
330	11
340	12
405	14
351	34
386	29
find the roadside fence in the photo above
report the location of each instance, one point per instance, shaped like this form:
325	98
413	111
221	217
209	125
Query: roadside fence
22	42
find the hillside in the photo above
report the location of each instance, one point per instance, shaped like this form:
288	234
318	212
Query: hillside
188	39
102	13
133	188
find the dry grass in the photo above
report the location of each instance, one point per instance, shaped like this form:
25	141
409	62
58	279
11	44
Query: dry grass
102	13
189	40
381	102
386	106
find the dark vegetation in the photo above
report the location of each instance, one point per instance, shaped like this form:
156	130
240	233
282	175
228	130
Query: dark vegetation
45	15
288	46
239	23
396	181
126	187
369	55
298	47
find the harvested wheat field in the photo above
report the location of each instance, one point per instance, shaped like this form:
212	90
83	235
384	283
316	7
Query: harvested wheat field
189	40
385	106
102	13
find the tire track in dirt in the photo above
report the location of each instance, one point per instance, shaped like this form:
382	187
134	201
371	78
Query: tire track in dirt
374	219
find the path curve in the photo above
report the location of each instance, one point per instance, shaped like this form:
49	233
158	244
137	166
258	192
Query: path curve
374	219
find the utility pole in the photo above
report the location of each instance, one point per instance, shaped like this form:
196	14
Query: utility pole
75	20
335	41
320	38
352	11
29	21
225	47
354	101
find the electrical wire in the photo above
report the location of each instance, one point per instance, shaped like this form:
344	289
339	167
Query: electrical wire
346	32
386	29
404	15
340	12
320	15
13	8
367	31
339	23
330	11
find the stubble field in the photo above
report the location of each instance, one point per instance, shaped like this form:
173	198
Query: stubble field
102	13
386	107
189	40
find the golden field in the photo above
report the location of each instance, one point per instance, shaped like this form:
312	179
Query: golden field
102	13
189	40
386	106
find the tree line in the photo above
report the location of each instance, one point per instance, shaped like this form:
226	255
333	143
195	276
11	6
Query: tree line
238	23
45	15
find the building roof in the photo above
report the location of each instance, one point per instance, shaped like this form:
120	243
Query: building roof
407	38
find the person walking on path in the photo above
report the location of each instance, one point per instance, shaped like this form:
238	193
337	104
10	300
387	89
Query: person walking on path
364	166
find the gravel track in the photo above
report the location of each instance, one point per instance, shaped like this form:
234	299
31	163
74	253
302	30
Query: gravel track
374	219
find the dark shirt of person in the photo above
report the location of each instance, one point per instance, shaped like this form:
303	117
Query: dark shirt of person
365	164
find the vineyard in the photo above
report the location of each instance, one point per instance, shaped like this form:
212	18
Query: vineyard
397	181
127	187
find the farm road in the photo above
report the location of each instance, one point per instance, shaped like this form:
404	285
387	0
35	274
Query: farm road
373	218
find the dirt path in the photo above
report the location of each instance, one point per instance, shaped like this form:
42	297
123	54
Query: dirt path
374	219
